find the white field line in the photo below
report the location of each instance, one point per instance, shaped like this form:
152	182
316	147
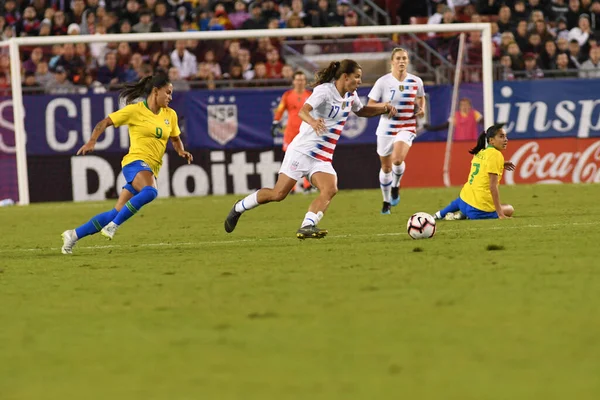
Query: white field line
257	240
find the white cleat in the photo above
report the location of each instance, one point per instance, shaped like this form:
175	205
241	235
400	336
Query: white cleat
437	215
109	230
69	240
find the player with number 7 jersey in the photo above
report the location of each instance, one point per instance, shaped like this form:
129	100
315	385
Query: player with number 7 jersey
396	134
310	154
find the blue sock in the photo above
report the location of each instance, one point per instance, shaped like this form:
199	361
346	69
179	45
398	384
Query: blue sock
452	207
95	224
145	196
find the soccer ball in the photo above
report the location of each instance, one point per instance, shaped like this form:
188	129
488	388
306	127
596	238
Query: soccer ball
421	226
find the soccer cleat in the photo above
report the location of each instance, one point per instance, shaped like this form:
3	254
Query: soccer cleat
459	215
69	240
109	230
395	196
437	215
311	232
387	208
232	219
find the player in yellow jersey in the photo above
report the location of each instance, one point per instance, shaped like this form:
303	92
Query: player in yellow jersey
480	196
151	124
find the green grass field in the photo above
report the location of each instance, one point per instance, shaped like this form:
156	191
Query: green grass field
175	308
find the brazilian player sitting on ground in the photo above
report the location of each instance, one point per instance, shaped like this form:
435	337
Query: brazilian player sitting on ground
480	196
151	124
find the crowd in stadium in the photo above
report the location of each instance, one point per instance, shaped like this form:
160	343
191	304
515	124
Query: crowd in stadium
532	38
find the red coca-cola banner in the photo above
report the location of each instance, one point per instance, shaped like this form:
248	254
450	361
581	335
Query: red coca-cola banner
560	160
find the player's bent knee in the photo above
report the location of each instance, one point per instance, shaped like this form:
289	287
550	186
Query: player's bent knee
329	192
508	210
151	192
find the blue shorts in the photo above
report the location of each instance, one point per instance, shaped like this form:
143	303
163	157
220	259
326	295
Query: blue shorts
475	213
131	170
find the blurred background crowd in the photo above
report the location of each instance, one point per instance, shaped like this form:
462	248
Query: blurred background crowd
532	39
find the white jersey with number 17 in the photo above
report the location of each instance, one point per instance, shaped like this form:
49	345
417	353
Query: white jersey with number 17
334	109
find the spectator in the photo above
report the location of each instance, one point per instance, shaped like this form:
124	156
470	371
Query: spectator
123	55
73	29
507	71
240	15
515	54
575	56
351	19
505	22
29	25
582	32
98	50
255	21
335	18
11	13
287	72
233	51
561	31
548	56
45	28
531	69
185	61
133	72
166	22
60	84
30	85
42	75
559	9
562	67
34	59
245	63
521	36
269	11
179	85
215	68
125	26
572	15
260	74
75	15
73	65
274	64
146	25
591	67
110	73
519	10
162	62
131	12
595	15
88	25
541	28
534	45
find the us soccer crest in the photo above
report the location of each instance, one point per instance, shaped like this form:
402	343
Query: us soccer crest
222	119
401	88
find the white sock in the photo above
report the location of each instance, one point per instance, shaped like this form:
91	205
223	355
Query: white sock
319	217
248	203
398	171
385	182
310	219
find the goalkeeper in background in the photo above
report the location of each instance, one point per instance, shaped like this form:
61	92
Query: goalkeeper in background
292	101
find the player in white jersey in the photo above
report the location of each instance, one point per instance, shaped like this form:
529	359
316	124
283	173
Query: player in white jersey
395	134
310	154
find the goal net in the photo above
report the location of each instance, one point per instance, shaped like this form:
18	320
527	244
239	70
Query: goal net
227	88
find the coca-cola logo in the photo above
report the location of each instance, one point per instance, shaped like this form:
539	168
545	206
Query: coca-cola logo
534	166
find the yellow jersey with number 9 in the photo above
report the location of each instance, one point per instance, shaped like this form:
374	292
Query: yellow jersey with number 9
476	192
148	132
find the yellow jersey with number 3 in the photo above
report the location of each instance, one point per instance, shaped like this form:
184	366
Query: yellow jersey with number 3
148	132
476	192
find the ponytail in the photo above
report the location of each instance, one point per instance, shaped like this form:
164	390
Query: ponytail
334	70
483	138
481	144
143	87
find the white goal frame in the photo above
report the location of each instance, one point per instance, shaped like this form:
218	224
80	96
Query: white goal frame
15	66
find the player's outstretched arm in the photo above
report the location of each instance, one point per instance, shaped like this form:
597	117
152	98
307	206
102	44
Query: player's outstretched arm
98	130
496	196
178	146
377	109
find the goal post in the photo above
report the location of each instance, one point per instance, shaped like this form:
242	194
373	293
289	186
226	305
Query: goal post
15	45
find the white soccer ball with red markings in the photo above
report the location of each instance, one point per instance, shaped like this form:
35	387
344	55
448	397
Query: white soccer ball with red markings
421	226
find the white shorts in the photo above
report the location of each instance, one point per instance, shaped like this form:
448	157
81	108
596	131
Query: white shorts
297	165
385	144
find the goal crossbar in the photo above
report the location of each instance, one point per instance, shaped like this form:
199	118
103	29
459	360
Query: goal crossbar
15	65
